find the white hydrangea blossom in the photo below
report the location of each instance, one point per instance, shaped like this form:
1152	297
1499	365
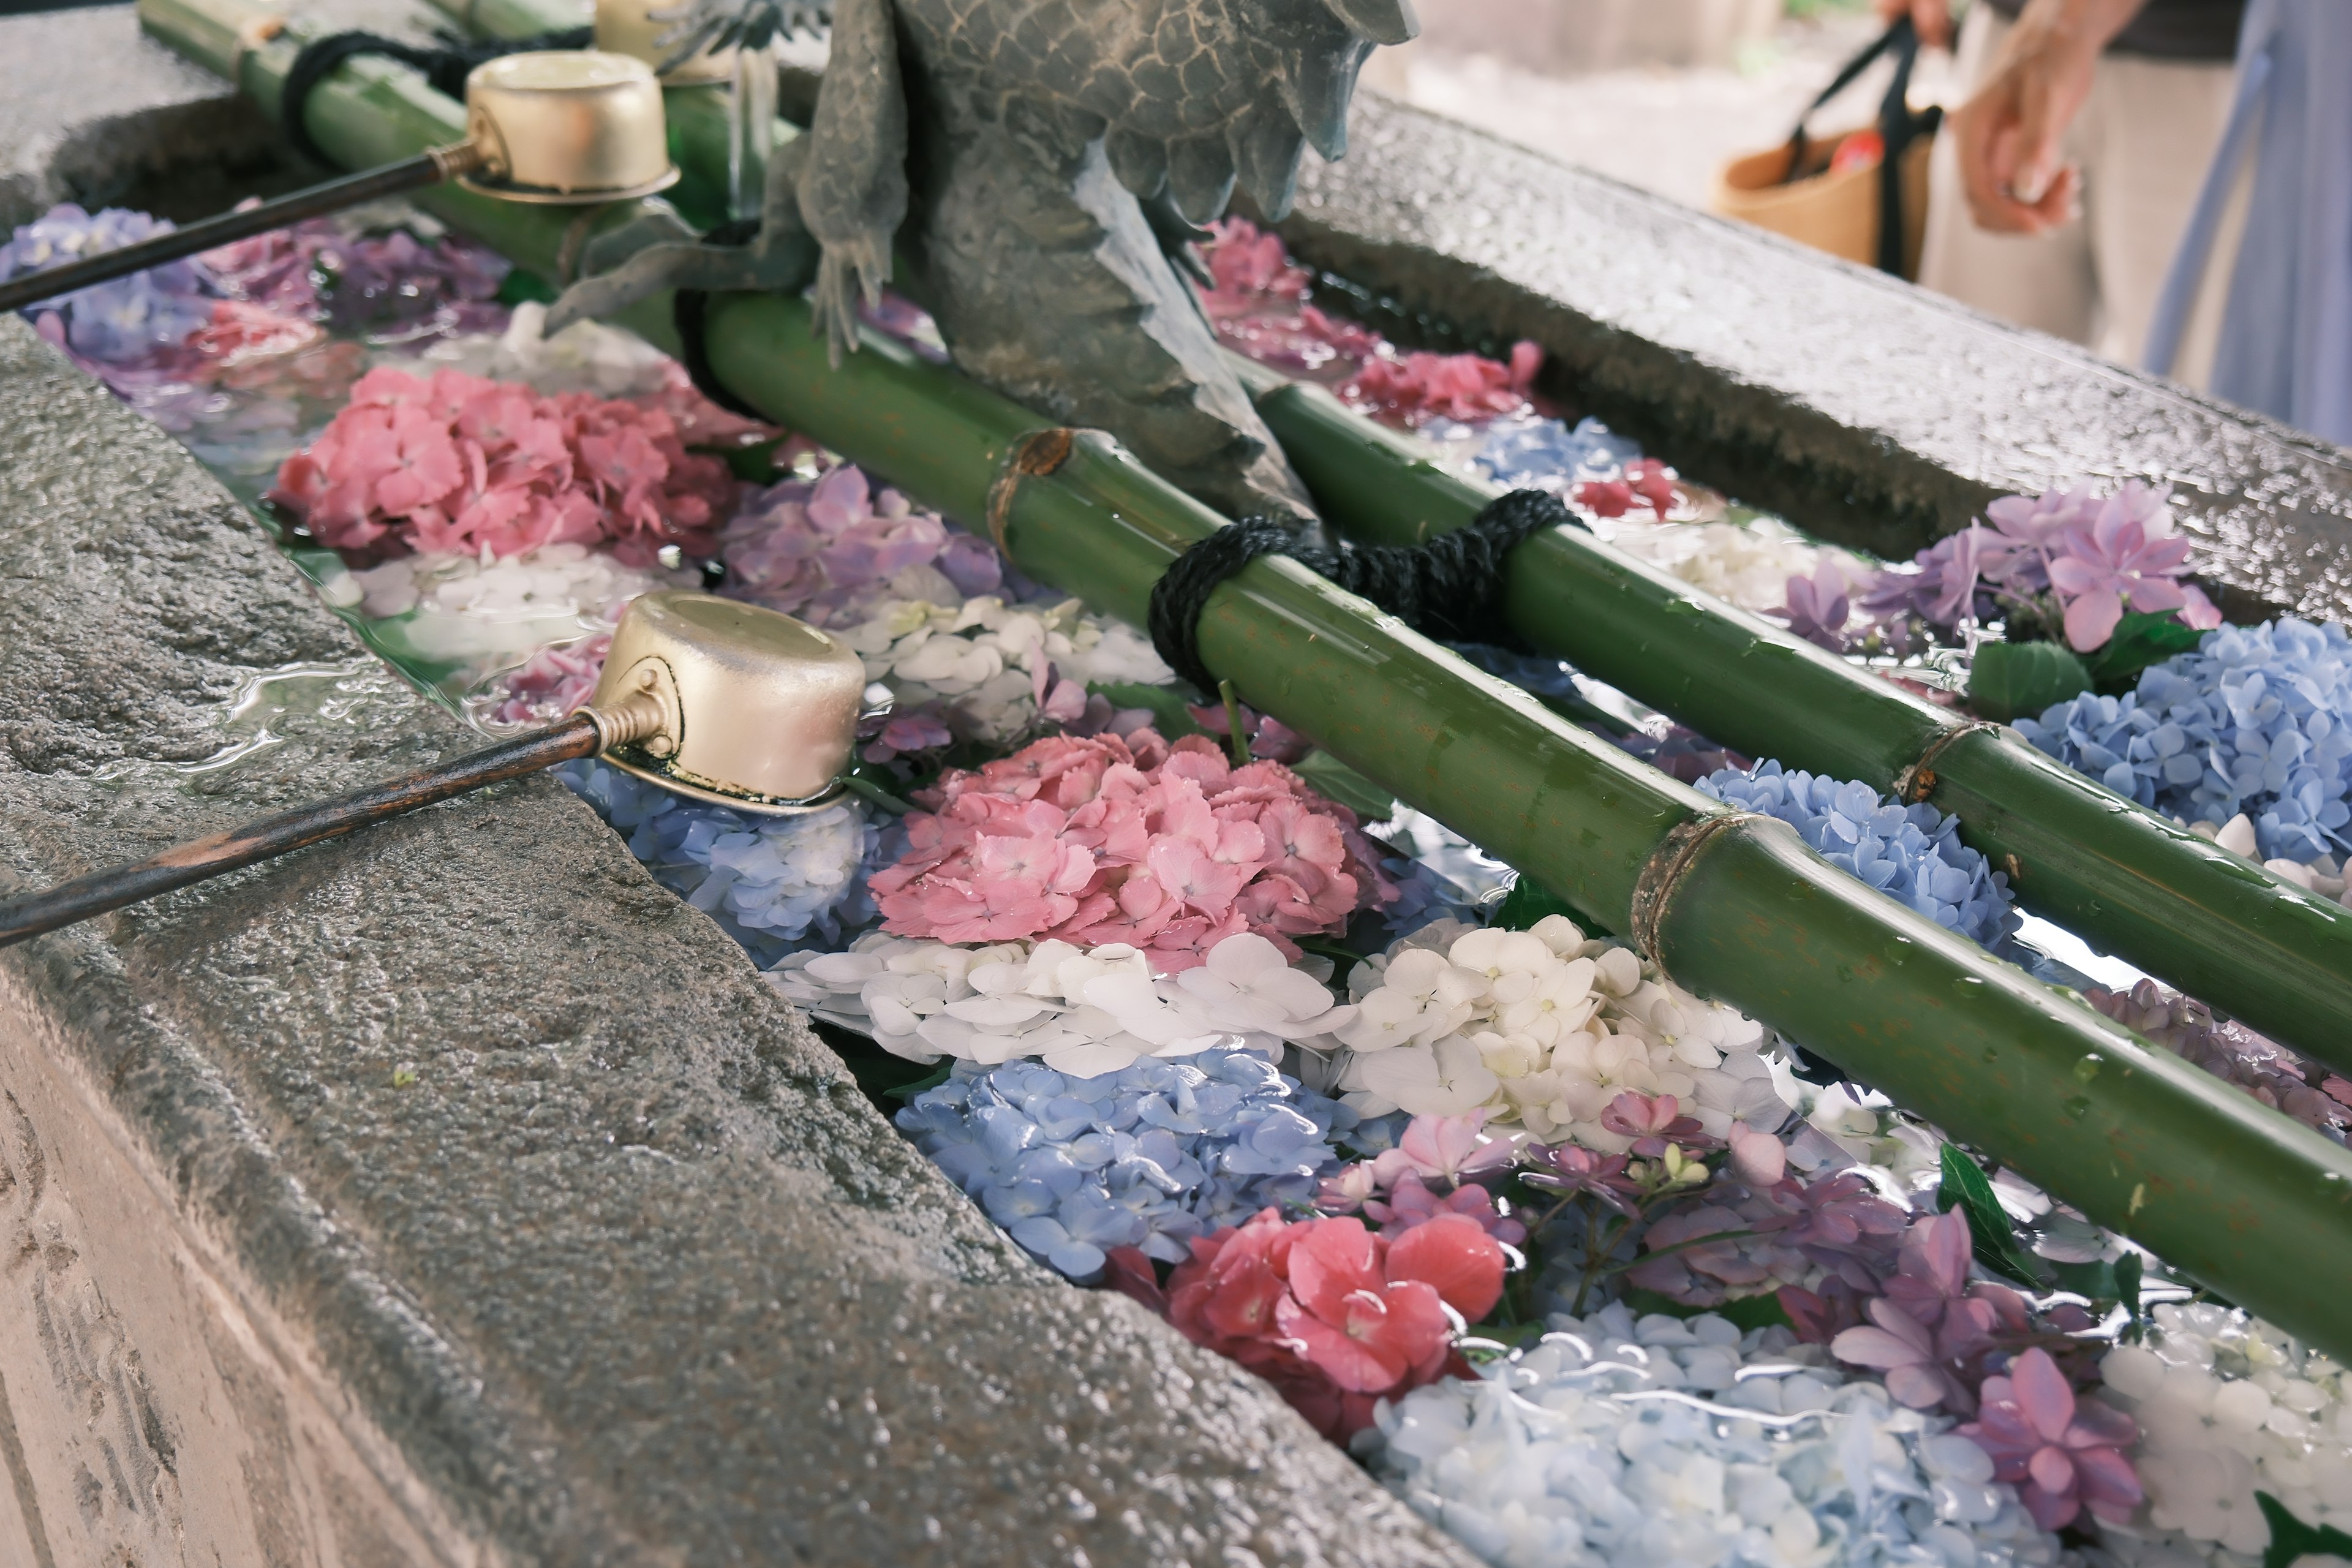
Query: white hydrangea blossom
2229	1406
475	606
1747	564
1543	1028
983	655
1084	1012
1671	1442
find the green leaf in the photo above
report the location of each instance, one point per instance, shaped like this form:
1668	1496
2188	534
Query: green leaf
1966	1186
2141	640
2017	679
754	464
1170	714
1528	903
1337	781
907	1091
2292	1539
523	287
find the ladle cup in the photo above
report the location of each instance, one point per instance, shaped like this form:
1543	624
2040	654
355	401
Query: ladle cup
723	701
569	126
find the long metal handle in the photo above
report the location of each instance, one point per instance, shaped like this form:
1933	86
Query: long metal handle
333	195
583	735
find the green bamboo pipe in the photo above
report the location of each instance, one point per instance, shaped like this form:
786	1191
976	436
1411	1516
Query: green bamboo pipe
2217	926
2213	1182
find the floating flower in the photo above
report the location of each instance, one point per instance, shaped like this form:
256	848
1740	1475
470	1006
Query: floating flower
1533	451
2116	562
1546	1030
332	270
457	463
2064	1455
1912	854
2255	719
1816	607
1080	1011
2228	1050
1336	1316
122	319
772	882
1149	1157
1686	1441
832	550
1412	388
1099	839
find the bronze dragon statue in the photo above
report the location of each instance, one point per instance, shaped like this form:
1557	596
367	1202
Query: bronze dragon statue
1038	166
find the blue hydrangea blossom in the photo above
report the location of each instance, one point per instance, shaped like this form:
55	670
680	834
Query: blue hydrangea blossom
1531	452
1912	854
772	882
122	320
1164	1149
2255	719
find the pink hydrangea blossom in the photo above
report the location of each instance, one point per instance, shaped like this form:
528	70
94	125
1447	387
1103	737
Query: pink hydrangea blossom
552	684
1106	838
460	463
2116	562
1645	479
1336	1316
1413	388
2063	1454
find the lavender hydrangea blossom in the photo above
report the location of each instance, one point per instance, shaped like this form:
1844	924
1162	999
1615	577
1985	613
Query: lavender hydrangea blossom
2255	719
1912	854
127	318
1161	1150
771	880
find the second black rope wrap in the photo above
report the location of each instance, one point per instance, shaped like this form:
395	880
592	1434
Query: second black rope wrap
1450	588
445	67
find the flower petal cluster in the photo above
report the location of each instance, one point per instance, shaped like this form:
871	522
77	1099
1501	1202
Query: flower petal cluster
1101	840
2129	556
126	319
1081	1010
2227	1407
1747	564
1151	1156
468	605
1534	451
2255	719
2063	1454
1927	1332
2234	1053
1912	854
772	882
1546	1029
1832	1238
1818	607
336	270
832	550
1413	388
1636	1444
990	671
458	463
1335	1316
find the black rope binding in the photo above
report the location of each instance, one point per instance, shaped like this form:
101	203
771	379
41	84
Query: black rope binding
445	68
1450	588
688	310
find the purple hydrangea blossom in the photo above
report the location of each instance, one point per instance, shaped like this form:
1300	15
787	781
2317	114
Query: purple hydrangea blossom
320	270
2255	719
1817	607
126	318
1164	1149
831	549
1912	854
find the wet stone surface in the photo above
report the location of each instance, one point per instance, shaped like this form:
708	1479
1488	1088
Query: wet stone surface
508	1158
1861	408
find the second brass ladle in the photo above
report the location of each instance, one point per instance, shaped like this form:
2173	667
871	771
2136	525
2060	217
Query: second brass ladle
722	702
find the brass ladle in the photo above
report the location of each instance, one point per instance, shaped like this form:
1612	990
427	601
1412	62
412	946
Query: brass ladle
567	126
722	701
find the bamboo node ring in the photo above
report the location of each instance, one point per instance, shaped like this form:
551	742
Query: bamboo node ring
1917	782
1037	454
1663	872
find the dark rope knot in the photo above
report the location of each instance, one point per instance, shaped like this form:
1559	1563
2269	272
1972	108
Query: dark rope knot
1450	588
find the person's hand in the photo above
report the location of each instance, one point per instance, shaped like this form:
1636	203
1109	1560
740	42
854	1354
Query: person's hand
2009	134
1933	18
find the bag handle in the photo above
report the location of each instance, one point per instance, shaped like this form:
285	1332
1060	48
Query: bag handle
1898	127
